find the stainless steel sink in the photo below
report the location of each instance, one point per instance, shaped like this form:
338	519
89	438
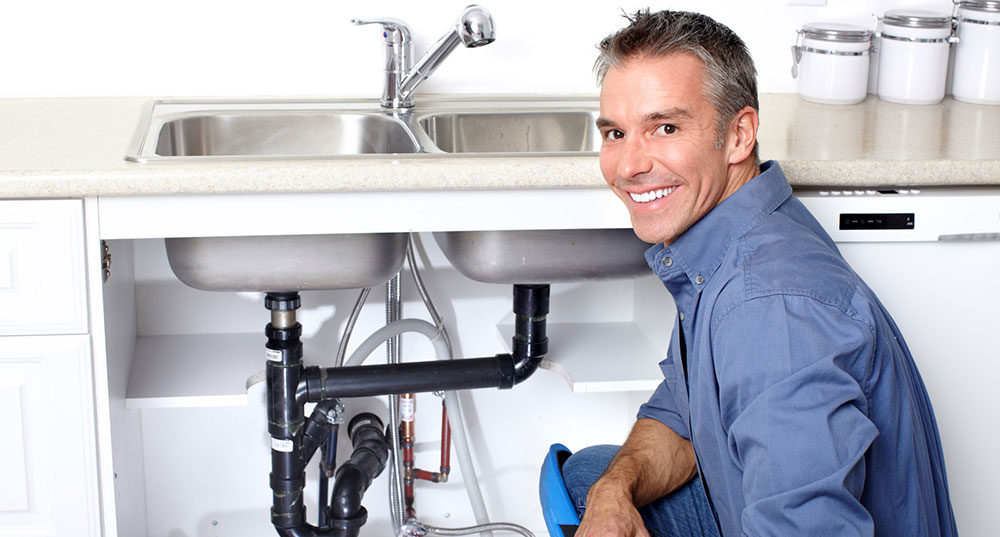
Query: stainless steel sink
545	256
288	133
513	131
443	127
287	263
177	131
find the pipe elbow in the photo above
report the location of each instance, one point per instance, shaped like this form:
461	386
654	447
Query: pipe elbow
530	343
348	491
525	366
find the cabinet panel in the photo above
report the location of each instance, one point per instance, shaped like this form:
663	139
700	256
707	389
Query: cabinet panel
42	270
14	482
49	483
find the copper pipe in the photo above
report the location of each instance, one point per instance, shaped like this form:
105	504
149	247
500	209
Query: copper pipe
442	475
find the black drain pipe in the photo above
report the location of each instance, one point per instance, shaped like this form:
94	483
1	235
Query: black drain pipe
285	416
290	386
503	371
346	515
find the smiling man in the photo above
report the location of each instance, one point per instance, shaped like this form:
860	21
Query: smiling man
790	404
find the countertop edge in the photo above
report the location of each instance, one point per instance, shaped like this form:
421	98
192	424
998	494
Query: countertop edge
273	177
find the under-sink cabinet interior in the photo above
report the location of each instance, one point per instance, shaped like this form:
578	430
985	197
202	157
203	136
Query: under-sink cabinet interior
190	442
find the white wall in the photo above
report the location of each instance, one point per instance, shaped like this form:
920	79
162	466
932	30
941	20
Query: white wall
309	47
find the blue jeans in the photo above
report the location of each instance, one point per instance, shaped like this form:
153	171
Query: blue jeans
684	512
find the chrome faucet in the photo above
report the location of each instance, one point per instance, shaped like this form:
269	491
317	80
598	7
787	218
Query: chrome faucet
473	28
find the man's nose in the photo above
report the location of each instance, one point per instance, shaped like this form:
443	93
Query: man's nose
635	159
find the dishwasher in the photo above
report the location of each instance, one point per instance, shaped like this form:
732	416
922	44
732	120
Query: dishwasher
932	254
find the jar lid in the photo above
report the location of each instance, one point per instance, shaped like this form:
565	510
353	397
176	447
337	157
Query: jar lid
835	31
917	18
980	5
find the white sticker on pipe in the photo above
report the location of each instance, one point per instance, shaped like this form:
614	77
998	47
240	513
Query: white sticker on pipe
272	355
407	408
284	446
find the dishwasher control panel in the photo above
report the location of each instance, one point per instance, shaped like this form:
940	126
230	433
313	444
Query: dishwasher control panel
876	220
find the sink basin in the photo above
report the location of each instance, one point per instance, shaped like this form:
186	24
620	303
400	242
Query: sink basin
545	256
283	134
287	263
443	127
506	131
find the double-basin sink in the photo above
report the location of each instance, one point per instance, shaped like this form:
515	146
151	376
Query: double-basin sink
186	131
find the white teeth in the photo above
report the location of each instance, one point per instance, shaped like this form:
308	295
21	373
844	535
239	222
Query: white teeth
651	195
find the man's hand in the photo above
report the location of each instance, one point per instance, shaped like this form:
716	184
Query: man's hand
610	514
653	462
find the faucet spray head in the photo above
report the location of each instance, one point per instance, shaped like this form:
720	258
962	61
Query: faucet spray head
475	27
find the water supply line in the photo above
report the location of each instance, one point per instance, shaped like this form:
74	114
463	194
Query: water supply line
393	312
493	526
349	327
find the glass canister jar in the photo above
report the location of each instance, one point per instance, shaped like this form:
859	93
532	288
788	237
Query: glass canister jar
976	61
913	56
831	62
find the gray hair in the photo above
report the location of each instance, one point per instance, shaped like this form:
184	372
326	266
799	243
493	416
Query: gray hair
730	76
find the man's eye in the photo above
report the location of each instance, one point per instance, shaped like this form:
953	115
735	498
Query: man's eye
666	128
613	134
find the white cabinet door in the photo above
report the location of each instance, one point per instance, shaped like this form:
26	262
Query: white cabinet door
48	477
42	272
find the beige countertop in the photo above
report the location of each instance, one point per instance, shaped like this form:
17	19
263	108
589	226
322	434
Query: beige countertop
75	147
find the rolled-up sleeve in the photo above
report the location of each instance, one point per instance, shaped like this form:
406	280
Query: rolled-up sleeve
662	407
791	373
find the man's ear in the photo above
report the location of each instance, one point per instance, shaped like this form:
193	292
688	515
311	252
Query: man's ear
742	135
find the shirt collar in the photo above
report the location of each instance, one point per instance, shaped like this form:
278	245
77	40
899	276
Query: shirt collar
694	257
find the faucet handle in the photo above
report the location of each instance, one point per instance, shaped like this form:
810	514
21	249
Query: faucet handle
396	31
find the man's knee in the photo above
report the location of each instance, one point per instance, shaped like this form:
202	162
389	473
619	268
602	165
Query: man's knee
583	468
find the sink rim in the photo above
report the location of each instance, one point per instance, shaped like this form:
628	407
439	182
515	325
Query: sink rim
156	113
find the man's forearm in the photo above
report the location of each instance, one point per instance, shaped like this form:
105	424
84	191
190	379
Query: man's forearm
653	462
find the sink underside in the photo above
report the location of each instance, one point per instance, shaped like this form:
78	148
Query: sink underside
287	263
545	256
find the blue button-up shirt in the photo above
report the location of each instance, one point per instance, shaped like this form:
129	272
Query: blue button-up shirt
803	404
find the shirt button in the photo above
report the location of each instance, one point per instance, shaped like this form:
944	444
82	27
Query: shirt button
699	280
681	314
667	262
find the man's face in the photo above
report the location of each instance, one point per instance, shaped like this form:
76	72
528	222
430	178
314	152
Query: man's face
659	152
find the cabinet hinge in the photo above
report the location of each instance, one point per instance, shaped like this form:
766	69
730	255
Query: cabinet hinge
105	260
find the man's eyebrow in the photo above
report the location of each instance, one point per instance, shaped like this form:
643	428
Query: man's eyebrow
605	122
669	113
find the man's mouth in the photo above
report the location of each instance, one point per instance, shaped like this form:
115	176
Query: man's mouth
646	197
